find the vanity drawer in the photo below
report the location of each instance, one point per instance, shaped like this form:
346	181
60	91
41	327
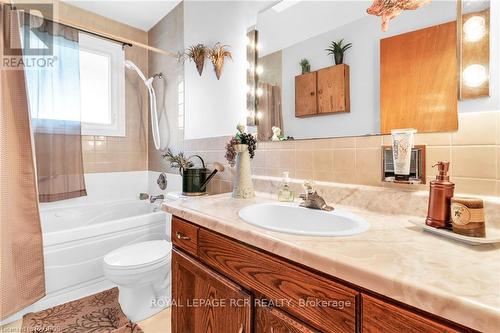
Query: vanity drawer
313	299
272	320
185	235
380	316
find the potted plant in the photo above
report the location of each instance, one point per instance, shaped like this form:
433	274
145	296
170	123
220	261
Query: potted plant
218	54
306	66
197	53
338	50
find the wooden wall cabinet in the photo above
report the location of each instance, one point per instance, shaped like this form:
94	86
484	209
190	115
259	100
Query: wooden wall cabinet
267	292
325	91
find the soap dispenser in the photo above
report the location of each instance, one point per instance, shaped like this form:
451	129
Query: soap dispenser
440	194
285	193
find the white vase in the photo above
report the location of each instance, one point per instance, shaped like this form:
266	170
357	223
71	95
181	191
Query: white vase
243	186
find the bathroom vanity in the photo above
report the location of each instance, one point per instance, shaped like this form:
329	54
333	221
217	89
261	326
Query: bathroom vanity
232	277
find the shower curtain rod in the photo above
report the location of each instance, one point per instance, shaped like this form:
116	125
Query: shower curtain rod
114	38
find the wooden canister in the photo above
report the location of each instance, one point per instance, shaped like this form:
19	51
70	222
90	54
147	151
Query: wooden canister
467	215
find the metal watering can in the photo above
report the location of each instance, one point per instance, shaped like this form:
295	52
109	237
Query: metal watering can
196	179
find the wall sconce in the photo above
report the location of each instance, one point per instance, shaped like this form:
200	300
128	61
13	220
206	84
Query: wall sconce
252	71
473	31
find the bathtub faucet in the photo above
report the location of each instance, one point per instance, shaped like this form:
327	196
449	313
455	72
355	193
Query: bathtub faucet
154	198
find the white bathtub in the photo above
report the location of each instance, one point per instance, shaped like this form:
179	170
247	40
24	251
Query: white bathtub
77	237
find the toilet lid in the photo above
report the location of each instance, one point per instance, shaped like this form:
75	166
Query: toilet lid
139	254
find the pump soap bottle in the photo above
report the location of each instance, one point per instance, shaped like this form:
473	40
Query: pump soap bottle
285	193
440	194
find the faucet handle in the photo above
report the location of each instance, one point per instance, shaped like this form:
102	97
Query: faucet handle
143	196
308	186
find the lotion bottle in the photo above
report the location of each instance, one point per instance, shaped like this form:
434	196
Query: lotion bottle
440	194
285	193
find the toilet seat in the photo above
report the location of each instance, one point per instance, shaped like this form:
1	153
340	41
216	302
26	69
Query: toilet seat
139	256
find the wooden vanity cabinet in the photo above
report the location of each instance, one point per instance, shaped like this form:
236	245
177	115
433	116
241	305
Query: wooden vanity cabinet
206	301
269	293
325	91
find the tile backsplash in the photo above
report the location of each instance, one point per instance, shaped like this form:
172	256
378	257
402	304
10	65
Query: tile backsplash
474	153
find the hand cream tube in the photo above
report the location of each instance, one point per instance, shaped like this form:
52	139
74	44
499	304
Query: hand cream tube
402	143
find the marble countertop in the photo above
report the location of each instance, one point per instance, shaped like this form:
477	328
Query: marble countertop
394	258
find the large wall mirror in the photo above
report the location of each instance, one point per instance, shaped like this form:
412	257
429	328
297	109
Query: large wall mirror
404	77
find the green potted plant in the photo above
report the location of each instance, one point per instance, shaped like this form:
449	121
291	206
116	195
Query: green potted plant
337	49
306	66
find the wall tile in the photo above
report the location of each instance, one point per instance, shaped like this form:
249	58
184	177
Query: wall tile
272	159
368	166
344	143
474	161
476	129
433	139
369	141
466	186
498	162
304	160
344	165
322	160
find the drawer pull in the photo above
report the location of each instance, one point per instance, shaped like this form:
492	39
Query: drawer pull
241	330
181	236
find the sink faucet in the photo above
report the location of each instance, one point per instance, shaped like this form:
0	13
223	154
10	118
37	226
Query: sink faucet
312	199
154	198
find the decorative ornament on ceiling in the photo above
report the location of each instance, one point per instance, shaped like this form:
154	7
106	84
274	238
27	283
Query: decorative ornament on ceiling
389	9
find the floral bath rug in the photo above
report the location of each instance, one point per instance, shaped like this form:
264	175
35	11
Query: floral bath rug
99	313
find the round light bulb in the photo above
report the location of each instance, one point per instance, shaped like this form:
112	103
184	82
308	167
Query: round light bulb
259	115
259	92
474	75
259	69
474	28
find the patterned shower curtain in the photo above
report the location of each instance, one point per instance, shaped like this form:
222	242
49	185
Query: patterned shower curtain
22	279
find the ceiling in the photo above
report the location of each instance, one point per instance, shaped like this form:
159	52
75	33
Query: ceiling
139	14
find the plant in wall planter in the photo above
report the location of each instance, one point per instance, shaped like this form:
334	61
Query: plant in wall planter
198	54
338	50
239	151
305	65
217	55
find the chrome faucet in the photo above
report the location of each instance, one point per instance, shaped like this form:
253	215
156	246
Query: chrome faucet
154	198
312	199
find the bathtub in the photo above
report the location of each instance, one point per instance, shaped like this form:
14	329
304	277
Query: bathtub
77	237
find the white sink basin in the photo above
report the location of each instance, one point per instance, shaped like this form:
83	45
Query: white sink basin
293	219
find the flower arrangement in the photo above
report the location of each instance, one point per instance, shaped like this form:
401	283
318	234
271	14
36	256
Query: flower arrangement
240	138
217	54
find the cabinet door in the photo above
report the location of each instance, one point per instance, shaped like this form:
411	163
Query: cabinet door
204	301
333	89
379	316
272	320
306	103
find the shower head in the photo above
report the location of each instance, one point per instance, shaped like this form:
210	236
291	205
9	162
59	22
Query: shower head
130	65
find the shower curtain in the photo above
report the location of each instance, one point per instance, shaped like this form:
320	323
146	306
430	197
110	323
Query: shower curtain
22	279
54	98
270	106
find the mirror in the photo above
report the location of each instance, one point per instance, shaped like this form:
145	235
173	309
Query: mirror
405	77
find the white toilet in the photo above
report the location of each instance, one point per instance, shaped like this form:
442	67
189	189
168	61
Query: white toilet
142	272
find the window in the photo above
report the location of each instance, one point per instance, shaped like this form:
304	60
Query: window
86	85
102	90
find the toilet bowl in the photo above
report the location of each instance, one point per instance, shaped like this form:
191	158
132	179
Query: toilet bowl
142	272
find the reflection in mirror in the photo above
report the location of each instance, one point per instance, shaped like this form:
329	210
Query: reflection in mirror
303	92
474	46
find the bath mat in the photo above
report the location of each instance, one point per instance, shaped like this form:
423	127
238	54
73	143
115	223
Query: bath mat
99	313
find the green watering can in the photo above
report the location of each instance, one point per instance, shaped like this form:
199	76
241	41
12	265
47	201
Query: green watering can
196	179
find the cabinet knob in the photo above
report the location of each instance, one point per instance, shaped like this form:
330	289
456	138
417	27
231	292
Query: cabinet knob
320	91
181	236
312	93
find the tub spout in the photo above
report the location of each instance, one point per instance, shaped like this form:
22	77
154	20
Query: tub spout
154	198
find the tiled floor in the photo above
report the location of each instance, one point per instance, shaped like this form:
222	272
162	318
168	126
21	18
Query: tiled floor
159	323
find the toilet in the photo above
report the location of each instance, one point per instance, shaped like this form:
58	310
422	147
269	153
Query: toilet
142	272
